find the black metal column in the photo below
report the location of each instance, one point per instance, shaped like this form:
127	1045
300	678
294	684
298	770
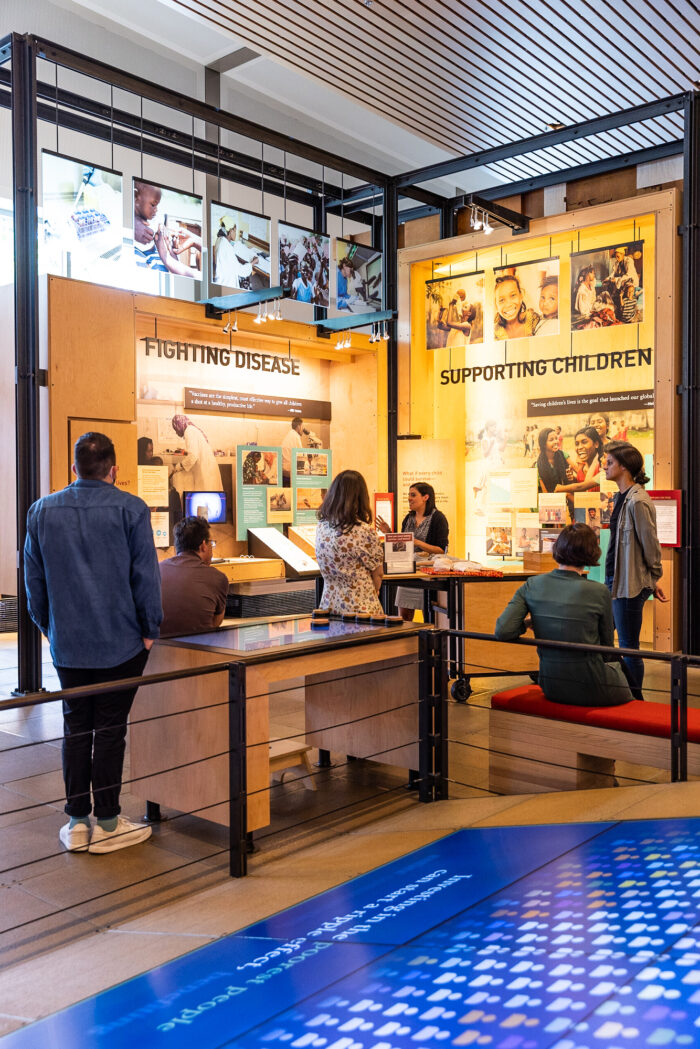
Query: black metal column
237	771
24	174
448	223
691	377
319	220
390	246
679	718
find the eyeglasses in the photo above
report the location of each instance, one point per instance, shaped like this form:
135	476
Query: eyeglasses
212	543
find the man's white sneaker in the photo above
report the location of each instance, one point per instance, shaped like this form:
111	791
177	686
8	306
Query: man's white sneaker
124	834
75	838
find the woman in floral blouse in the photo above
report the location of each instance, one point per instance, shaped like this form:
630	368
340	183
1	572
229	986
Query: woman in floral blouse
348	550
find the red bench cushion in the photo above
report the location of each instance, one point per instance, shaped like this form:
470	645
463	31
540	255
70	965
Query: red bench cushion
646	719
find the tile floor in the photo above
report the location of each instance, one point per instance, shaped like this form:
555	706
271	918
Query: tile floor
104	919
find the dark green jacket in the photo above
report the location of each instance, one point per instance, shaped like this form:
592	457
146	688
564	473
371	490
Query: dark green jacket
565	606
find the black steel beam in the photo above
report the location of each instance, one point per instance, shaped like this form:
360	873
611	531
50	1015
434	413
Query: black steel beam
369	194
24	179
584	129
153	129
390	246
96	129
596	167
409	214
691	378
108	74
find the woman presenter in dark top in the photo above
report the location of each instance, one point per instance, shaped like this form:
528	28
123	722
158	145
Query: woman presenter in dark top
564	605
430	534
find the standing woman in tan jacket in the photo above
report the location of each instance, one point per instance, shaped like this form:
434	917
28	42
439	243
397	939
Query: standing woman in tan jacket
633	562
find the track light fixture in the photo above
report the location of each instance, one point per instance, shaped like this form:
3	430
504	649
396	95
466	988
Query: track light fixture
486	225
225	330
258	319
385	331
235	322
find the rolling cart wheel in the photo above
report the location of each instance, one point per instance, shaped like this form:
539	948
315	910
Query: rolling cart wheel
461	689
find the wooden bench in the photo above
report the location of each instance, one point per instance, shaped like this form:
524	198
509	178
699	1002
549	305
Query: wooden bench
538	746
288	754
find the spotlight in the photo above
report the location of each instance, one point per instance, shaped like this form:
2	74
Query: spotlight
339	343
278	310
348	342
258	319
476	221
486	225
235	322
385	331
372	336
228	325
263	319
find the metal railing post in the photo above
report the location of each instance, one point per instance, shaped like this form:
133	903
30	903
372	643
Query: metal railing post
679	718
440	718
237	771
425	719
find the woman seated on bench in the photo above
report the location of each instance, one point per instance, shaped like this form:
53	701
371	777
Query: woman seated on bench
564	605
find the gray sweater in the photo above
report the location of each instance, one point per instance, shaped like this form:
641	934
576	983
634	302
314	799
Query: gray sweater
565	606
637	550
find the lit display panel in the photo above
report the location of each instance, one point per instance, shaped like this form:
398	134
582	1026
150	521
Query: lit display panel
558	937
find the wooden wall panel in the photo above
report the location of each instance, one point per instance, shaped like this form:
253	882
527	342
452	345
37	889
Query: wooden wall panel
92	363
123	435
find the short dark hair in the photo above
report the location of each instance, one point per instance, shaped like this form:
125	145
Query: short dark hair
577	546
630	458
346	502
297	421
425	489
94	456
190	533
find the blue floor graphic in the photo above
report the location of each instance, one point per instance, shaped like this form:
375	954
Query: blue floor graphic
556	937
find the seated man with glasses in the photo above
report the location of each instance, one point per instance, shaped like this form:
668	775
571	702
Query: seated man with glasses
194	592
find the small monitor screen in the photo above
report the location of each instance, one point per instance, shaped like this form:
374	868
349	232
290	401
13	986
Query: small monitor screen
211	505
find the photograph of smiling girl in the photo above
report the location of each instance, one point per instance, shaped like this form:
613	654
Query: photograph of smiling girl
526	300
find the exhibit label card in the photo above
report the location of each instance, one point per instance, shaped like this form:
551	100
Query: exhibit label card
258	468
311	477
399	552
499	535
160	523
153	485
527	532
523	487
552	508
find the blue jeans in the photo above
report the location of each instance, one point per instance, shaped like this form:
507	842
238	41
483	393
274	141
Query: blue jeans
627	613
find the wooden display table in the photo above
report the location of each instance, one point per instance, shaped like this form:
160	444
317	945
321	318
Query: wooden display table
347	673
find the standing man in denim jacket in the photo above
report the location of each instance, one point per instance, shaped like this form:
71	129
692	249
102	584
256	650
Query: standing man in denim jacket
633	561
93	588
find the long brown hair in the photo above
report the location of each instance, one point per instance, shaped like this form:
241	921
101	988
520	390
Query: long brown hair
346	502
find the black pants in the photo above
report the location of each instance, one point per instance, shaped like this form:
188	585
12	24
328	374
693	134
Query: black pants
94	737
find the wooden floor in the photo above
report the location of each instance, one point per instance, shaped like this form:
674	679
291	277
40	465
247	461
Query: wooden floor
106	918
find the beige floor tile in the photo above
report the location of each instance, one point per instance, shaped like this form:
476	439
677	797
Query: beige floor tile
95	963
11	1023
447	815
232	906
672	800
348	856
581	806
